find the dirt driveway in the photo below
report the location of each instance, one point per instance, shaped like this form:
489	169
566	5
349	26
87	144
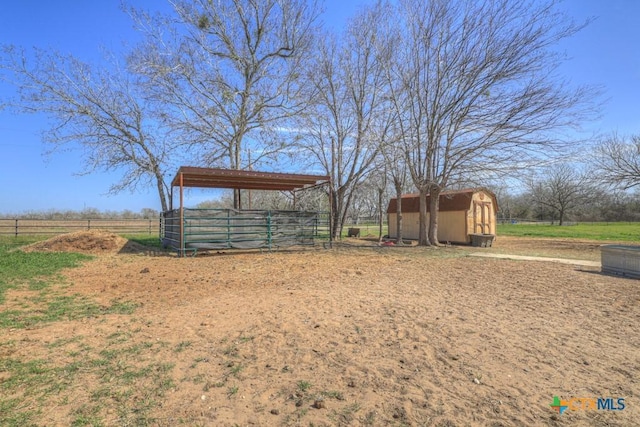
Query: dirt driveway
353	336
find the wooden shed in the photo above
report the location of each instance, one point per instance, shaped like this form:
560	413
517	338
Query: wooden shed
463	213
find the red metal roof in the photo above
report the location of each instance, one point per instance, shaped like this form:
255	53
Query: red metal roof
245	180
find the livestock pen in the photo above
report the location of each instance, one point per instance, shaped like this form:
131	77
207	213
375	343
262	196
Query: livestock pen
238	229
188	230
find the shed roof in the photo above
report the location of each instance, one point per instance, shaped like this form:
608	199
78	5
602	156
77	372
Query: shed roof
452	200
245	180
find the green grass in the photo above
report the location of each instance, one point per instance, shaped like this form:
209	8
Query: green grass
614	231
126	381
182	346
366	229
17	267
38	272
304	386
59	308
125	375
152	241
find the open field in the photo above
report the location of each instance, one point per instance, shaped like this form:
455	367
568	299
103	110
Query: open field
347	336
617	231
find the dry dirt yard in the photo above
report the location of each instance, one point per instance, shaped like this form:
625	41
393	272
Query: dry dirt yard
347	336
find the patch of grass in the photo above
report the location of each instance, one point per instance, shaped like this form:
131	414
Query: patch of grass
231	350
128	381
11	414
304	386
345	416
244	339
33	376
87	415
198	360
12	242
38	285
615	231
118	337
232	391
199	379
18	268
182	346
61	308
333	394
150	240
236	369
128	377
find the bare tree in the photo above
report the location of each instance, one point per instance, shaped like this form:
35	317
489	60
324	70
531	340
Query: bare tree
513	207
228	72
343	128
561	189
99	108
396	170
476	92
617	161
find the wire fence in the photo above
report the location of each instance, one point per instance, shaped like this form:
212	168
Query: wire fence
19	227
514	221
33	227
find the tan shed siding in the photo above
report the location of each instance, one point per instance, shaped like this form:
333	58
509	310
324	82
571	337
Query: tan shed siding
462	213
410	225
391	225
451	227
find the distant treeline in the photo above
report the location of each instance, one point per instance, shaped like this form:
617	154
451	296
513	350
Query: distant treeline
592	206
87	213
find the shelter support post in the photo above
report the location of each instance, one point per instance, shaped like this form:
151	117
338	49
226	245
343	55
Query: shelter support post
181	214
330	214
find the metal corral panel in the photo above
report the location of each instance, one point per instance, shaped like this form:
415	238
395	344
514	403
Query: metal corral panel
239	229
621	260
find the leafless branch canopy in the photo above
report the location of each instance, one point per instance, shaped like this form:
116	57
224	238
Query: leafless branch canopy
99	108
617	161
227	70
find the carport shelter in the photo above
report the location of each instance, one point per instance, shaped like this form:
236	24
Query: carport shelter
192	229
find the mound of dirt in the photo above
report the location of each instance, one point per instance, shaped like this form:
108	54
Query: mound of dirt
95	242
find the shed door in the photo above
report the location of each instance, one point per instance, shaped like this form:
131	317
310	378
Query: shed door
482	218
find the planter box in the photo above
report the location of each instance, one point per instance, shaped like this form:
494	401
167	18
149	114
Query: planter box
621	260
482	240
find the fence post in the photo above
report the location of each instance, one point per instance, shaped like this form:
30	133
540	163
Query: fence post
16	228
88	224
269	229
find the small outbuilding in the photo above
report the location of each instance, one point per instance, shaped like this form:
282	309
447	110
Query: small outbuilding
462	215
188	230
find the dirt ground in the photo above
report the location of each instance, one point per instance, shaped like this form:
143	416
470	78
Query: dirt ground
355	336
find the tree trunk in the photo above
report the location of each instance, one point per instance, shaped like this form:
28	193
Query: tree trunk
336	228
161	192
434	207
398	186
423	238
380	194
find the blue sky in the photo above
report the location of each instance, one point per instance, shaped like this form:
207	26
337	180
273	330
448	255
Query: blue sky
606	53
